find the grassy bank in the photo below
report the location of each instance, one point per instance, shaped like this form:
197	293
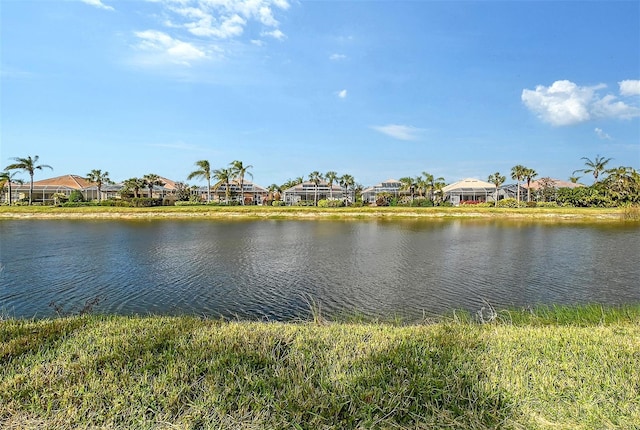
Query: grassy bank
562	369
265	212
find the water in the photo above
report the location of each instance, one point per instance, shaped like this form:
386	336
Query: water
276	269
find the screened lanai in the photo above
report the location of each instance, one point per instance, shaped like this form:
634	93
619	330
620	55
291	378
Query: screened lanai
469	190
306	192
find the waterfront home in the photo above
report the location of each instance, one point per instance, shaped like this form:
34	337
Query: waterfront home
470	190
253	194
391	186
306	192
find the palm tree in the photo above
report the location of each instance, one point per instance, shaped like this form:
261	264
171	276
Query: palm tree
497	179
316	178
152	180
203	172
331	177
529	174
7	178
239	171
134	184
430	182
595	167
28	165
99	178
223	176
574	179
517	173
346	181
438	185
408	184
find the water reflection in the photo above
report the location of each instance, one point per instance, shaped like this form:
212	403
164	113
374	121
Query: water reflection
273	269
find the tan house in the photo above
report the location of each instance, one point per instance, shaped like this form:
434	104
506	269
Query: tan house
44	190
469	190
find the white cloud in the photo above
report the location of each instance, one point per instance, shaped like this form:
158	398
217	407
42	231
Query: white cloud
337	57
342	94
565	103
98	4
223	19
400	132
629	87
168	49
601	134
276	34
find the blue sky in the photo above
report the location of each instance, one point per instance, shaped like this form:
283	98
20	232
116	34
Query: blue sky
375	89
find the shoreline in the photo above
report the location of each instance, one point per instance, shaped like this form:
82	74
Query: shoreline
298	213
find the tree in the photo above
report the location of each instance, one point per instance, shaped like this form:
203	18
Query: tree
529	174
430	183
239	171
223	176
7	178
331	177
203	172
574	179
497	179
438	192
316	178
408	184
133	184
517	173
595	167
99	178
346	181
28	165
151	180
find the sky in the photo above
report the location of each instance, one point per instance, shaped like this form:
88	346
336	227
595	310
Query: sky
374	89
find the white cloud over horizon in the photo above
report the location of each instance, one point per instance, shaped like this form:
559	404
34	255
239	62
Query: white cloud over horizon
98	4
400	132
337	57
565	103
629	87
342	94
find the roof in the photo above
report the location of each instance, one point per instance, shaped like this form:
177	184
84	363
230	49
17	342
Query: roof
557	183
311	186
468	184
69	181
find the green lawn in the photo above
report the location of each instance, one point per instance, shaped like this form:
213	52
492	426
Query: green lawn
566	368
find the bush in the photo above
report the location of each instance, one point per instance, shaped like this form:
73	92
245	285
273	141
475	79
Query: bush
547	204
188	203
278	203
145	202
76	196
508	203
422	203
330	203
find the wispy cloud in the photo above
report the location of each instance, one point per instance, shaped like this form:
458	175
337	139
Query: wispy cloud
164	48
566	103
98	4
223	19
337	57
342	94
400	132
178	145
601	134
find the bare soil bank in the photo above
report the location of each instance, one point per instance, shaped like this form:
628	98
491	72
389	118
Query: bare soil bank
253	212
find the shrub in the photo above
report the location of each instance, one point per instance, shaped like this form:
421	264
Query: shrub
145	202
422	203
188	203
76	196
278	203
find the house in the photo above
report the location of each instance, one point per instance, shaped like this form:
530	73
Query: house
391	186
44	190
468	190
253	193
306	192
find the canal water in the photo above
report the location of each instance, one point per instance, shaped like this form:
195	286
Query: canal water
280	269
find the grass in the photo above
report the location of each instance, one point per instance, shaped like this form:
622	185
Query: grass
560	368
289	212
